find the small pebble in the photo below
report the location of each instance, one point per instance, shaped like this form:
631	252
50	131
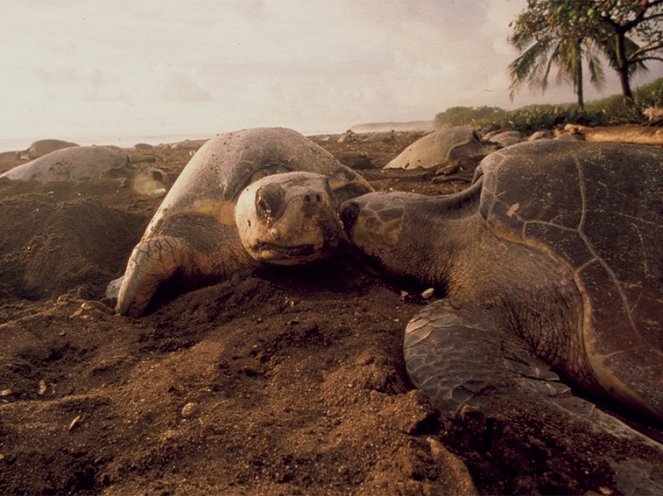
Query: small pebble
427	293
189	410
74	422
5	392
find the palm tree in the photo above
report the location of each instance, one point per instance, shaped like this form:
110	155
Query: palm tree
538	56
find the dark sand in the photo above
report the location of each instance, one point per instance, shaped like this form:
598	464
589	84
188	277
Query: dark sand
293	381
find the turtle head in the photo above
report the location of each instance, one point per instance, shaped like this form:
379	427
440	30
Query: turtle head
409	236
385	237
288	219
373	225
150	182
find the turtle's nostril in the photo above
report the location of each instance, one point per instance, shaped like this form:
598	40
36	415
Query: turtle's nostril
349	215
307	198
318	198
269	201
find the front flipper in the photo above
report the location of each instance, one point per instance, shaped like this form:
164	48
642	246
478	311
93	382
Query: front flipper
152	262
460	356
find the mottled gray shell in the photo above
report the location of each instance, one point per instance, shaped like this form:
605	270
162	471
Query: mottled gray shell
74	163
438	148
227	163
598	209
504	138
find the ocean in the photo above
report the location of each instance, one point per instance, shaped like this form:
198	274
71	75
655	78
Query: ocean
16	144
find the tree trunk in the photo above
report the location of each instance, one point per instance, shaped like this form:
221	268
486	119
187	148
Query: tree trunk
579	83
622	66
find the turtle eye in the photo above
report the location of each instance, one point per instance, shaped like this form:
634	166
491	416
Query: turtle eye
269	200
349	215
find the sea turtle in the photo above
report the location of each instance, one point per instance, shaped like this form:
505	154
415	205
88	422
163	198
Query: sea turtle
540	134
550	260
504	138
267	195
42	147
440	148
71	163
654	116
82	163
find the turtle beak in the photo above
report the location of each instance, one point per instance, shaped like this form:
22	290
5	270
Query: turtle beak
349	215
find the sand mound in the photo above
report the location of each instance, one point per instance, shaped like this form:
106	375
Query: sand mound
55	238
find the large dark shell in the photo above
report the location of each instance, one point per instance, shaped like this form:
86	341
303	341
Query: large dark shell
598	209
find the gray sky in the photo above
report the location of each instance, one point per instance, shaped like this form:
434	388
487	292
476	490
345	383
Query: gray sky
73	68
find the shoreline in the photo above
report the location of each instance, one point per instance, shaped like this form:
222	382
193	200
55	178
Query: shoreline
125	141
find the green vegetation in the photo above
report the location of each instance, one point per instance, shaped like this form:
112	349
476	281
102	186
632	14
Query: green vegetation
606	111
467	116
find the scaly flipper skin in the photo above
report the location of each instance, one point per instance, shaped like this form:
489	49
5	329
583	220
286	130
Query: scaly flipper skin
456	353
152	262
194	248
460	356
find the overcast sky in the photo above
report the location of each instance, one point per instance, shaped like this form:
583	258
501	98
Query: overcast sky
73	68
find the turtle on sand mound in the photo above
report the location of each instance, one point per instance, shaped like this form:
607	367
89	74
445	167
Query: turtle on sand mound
42	147
441	148
249	197
550	260
80	163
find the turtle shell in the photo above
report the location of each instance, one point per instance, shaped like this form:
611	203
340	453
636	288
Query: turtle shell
216	175
597	208
42	147
74	163
438	148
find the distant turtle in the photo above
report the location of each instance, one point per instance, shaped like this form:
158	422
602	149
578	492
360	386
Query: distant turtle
654	116
42	147
81	163
71	163
552	258
541	134
504	137
440	148
248	197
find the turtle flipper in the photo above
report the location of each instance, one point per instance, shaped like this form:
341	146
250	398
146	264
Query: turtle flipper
152	262
456	359
458	355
